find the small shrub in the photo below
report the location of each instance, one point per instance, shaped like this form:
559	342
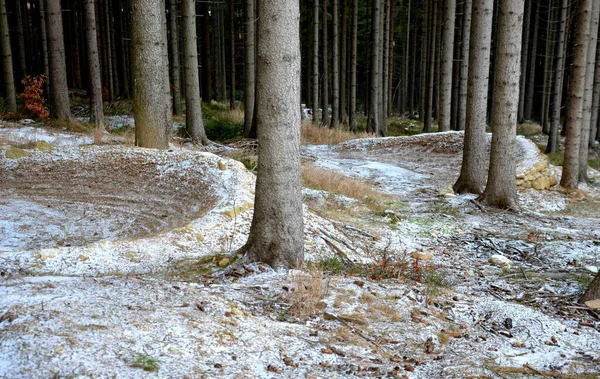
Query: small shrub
32	96
306	294
145	362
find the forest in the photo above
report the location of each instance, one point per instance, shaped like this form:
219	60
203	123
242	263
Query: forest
300	188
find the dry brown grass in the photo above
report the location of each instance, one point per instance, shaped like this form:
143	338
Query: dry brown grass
306	295
313	134
334	182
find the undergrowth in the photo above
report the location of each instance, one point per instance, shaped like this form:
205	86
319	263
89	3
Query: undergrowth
145	362
334	182
313	134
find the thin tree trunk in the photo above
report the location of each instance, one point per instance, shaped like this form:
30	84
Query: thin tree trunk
424	69
353	56
193	111
124	36
588	94
149	104
222	58
335	91
596	102
276	233
59	92
473	170
390	60
94	74
385	72
166	81
231	57
501	188
548	69
175	67
373	117
344	64
249	67
532	66
570	171
557	86
524	60
7	65
464	65
457	47
109	52
315	68
21	39
325	55
113	50
44	44
206	66
431	72
447	61
408	88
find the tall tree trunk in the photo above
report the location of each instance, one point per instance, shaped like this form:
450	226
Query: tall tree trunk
385	65
501	188
353	56
315	67
596	103
193	111
391	58
123	52
166	82
570	171
447	61
222	54
44	43
7	66
456	66
344	64
249	69
335	91
430	71
425	50
231	57
59	92
113	49
588	94
532	66
407	88
95	77
473	170
325	55
524	60
109	56
557	85
277	230
373	116
149	104
464	65
548	69
175	67
21	39
206	66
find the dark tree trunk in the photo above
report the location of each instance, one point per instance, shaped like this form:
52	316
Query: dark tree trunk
94	74
249	66
315	62
532	66
7	65
59	92
335	91
524	60
206	66
175	67
427	128
344	64
325	57
373	116
464	65
231	57
353	56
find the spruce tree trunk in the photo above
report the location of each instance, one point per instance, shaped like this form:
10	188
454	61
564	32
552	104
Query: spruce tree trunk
473	170
456	66
373	116
44	43
21	39
570	171
277	230
222	54
123	53
557	85
249	70
344	64
424	69
427	128
596	103
335	91
113	49
524	55
94	74
59	92
193	111
175	67
149	103
325	55
385	72
7	65
231	57
206	64
548	71
532	66
408	88
447	62
501	188
588	94
108	48
315	61
353	56
464	65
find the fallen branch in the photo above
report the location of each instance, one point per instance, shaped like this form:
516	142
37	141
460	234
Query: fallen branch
528	369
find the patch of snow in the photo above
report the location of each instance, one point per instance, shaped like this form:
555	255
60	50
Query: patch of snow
30	134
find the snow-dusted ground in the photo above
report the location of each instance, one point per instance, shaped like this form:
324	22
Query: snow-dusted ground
138	288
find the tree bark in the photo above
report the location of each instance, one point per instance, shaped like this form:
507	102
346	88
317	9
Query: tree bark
249	69
593	291
548	69
596	103
149	104
430	71
315	61
325	56
59	92
193	109
335	91
557	85
7	65
530	83
570	171
353	56
385	72
277	230
501	188
94	74
373	116
344	64
165	77
206	66
588	94
44	43
231	57
21	39
447	61
175	67
473	170
464	65
524	60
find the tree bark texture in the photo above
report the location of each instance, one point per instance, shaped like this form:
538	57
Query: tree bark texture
59	92
7	64
353	55
335	90
344	64
596	103
464	65
249	69
557	85
315	61
524	55
501	188
373	116
447	62
277	230
94	73
176	66
325	57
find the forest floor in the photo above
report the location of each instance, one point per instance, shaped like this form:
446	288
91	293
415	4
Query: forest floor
108	257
